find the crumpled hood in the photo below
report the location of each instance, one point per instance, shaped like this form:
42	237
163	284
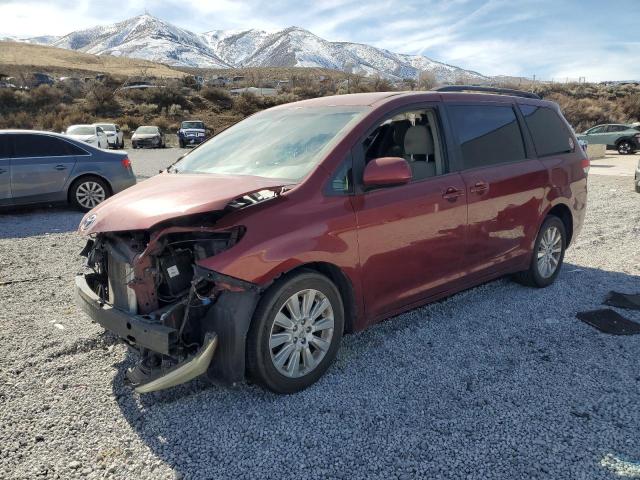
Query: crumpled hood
167	196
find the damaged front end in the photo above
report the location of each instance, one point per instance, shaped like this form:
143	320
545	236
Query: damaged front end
182	319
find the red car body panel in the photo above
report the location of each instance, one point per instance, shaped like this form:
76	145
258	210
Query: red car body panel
411	241
397	247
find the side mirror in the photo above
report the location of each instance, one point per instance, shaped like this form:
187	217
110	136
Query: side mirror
386	171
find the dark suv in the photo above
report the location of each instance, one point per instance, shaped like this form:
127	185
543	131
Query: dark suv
255	253
191	133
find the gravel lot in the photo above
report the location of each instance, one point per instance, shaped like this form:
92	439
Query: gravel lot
499	381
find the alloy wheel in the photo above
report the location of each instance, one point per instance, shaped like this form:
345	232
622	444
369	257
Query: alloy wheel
624	148
89	194
301	333
549	252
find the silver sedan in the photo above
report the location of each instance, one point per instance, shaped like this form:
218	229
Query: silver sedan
44	167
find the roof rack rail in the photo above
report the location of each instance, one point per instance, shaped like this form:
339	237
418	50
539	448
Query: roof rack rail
477	88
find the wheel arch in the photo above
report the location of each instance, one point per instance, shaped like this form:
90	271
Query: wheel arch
342	283
627	138
83	175
563	212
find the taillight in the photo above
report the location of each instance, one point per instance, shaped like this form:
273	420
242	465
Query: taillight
585	165
126	163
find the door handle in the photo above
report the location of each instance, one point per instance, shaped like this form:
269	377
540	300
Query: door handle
452	194
2	170
60	167
479	188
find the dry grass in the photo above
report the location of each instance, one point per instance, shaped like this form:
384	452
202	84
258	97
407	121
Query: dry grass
18	57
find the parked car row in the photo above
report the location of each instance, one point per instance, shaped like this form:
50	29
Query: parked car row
109	135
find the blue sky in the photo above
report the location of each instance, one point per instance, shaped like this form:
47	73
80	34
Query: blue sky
596	39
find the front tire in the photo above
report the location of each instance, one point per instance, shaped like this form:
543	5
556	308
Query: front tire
548	255
625	148
295	333
88	192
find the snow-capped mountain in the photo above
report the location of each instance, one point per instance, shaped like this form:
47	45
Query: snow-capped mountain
153	39
148	38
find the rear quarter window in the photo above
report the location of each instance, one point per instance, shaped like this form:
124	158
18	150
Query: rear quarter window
549	132
487	134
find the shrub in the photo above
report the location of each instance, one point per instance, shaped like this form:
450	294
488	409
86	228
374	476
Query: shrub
161	122
631	106
16	120
247	104
217	96
9	100
45	96
175	111
147	109
164	97
101	100
131	122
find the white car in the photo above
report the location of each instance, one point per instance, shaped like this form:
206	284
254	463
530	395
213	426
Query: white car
115	136
90	134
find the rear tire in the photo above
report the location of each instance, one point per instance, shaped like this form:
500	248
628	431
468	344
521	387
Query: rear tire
290	348
547	256
625	148
88	192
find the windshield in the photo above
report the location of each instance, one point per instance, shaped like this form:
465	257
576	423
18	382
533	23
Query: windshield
282	143
81	130
147	130
107	127
198	125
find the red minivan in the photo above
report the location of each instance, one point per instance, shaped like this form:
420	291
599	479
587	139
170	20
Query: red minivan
252	255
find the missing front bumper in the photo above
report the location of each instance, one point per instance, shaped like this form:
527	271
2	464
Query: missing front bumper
136	330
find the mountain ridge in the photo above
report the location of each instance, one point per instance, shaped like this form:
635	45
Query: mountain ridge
150	38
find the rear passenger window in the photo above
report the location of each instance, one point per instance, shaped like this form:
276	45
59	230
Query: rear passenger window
549	132
487	134
43	146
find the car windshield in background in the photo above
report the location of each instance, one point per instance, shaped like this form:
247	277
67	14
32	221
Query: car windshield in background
107	127
81	130
147	130
282	143
198	125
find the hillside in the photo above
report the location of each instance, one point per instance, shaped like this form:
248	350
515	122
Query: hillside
16	58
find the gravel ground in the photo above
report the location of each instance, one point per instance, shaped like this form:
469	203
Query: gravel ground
500	381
